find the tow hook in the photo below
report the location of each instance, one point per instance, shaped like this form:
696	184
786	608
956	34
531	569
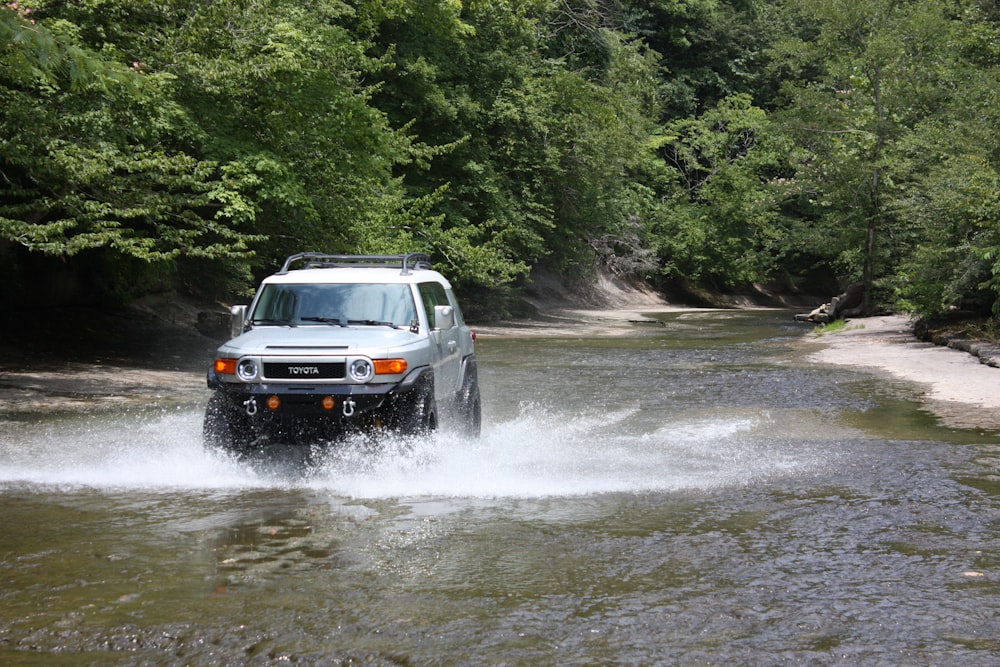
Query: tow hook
251	406
349	407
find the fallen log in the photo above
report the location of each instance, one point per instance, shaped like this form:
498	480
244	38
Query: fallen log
844	305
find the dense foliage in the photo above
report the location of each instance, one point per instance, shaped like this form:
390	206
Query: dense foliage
183	143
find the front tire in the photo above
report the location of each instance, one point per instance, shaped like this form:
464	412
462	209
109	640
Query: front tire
415	411
224	429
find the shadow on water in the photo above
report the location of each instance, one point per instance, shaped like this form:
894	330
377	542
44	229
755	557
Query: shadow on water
695	493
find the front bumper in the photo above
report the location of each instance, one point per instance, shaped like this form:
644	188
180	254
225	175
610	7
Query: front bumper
279	401
296	412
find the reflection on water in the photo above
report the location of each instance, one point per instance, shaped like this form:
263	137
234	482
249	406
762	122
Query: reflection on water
696	493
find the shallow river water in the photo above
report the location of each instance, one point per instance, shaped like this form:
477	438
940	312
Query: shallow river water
694	492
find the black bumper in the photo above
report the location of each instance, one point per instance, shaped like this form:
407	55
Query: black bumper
293	412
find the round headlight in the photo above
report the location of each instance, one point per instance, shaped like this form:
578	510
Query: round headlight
362	370
247	369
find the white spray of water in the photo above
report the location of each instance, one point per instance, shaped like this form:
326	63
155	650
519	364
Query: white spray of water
535	454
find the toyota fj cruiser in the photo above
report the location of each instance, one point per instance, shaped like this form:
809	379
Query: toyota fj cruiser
343	343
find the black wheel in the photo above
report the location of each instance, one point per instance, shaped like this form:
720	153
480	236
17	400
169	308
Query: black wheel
416	413
470	410
224	429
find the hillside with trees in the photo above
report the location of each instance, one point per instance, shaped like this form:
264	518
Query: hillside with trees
185	145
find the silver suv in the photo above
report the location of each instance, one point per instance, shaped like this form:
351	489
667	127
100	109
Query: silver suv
343	343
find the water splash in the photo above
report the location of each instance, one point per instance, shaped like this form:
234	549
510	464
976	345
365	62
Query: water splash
537	453
128	451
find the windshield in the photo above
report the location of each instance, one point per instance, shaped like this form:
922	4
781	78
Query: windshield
335	304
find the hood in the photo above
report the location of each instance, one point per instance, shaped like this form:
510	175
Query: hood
311	340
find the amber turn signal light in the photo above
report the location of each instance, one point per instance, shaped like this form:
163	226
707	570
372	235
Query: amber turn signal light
273	402
225	366
389	366
328	402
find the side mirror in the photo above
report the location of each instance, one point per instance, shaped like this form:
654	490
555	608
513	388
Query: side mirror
237	321
444	317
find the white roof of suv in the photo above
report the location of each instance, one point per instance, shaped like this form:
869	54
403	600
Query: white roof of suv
356	275
334	269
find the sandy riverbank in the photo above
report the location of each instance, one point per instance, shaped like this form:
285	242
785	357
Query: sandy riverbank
959	389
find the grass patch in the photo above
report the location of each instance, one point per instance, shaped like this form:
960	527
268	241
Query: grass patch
986	329
835	326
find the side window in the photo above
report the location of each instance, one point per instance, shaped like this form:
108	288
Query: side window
432	294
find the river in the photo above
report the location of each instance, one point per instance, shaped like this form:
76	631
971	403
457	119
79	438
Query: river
694	491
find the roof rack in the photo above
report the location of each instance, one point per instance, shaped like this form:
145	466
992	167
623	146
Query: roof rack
315	260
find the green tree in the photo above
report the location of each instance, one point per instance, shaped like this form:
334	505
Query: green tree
719	224
540	108
710	49
277	88
953	199
445	79
89	157
864	77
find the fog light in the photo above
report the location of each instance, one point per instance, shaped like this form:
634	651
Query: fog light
328	402
273	402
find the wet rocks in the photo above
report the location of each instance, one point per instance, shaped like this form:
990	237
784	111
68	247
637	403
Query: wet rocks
960	331
988	353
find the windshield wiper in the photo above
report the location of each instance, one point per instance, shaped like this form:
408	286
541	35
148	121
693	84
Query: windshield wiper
374	323
325	320
265	320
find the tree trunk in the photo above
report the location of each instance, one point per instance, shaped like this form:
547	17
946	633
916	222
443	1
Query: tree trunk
868	271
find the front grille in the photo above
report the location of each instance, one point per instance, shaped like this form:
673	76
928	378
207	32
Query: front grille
291	370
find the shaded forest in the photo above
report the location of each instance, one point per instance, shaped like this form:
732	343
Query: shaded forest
190	145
